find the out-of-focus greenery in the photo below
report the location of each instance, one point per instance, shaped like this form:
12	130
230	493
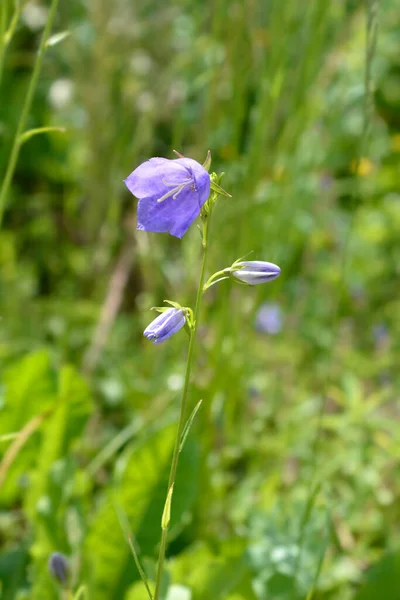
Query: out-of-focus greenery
288	487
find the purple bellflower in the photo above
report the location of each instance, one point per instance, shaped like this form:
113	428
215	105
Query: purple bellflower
166	324
171	193
58	567
254	272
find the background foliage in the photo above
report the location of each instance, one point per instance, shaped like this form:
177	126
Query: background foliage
288	487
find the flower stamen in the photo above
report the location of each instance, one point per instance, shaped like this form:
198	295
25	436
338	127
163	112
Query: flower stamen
176	189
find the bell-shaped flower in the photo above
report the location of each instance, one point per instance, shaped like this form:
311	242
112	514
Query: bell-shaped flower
171	193
58	567
254	272
166	324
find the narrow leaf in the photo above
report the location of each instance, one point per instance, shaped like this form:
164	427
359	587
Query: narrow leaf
32	132
142	572
81	593
188	425
216	188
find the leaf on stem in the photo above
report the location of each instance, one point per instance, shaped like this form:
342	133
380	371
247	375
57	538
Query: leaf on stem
82	593
27	135
188	425
142	572
216	188
166	516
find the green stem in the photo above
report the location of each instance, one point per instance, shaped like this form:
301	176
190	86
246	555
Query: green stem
175	456
12	162
3	31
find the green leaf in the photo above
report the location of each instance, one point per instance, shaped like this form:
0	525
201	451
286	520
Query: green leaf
382	580
140	495
217	188
30	390
27	135
188	425
209	574
52	480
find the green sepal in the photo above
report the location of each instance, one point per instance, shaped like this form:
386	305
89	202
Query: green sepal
174	304
207	162
218	189
187	311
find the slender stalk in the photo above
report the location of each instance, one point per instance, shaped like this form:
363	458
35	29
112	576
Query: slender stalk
12	162
3	31
175	456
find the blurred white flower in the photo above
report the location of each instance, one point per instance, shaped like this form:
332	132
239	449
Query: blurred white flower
145	102
141	62
34	15
175	382
178	592
61	93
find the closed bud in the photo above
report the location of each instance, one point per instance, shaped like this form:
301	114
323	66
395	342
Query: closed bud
254	272
58	567
166	324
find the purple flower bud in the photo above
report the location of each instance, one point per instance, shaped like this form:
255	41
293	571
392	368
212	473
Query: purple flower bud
254	272
171	193
166	324
58	567
269	319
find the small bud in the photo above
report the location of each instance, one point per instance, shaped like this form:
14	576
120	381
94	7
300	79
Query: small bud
166	516
58	567
166	324
207	162
254	272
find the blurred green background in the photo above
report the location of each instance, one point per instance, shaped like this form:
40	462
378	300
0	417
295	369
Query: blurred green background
288	487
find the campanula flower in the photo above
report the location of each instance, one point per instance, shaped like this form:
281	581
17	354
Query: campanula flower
171	193
58	567
166	324
254	272
269	319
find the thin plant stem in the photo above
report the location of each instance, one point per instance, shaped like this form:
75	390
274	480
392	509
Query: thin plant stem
3	31
7	29
181	423
12	162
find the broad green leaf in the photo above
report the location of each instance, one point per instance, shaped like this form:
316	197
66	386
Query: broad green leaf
204	572
12	568
140	497
53	477
61	429
382	580
30	389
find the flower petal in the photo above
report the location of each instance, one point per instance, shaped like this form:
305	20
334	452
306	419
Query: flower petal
172	215
176	327
258	265
166	324
149	177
